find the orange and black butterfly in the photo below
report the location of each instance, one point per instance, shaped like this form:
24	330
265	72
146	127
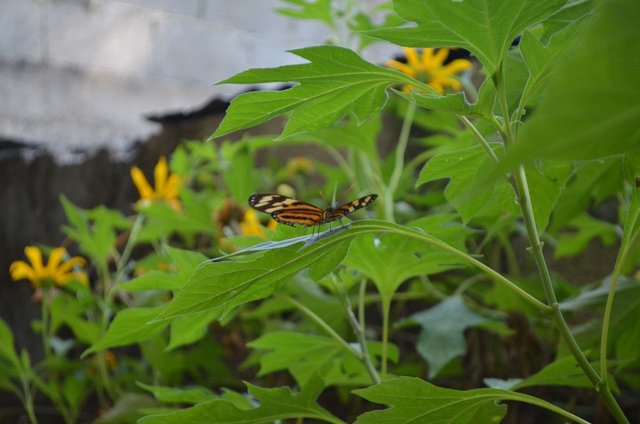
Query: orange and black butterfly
291	211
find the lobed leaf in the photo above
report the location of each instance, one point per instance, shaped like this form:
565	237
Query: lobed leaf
484	27
336	82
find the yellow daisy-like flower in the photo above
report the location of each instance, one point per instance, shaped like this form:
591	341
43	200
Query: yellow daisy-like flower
250	225
167	185
59	271
428	68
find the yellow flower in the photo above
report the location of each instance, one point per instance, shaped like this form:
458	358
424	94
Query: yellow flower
299	165
167	185
58	270
429	68
250	226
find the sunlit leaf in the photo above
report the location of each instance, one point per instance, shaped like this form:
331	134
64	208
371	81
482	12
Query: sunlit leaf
486	28
411	399
274	404
335	83
592	106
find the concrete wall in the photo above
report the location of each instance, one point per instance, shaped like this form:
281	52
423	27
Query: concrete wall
84	73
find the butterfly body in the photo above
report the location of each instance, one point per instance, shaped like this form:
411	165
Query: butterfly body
290	211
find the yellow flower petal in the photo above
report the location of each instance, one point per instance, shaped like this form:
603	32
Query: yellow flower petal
55	258
34	254
160	173
412	57
437	86
440	56
141	183
456	66
20	270
172	187
70	263
402	67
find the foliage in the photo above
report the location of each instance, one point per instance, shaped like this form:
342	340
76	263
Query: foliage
537	159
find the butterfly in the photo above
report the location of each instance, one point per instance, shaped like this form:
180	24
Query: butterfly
290	211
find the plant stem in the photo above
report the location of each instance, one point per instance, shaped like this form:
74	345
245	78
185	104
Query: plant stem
524	200
330	331
28	398
358	329
627	242
386	308
398	166
483	142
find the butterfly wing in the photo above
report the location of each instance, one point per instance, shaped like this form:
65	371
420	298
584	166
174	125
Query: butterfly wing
288	210
347	208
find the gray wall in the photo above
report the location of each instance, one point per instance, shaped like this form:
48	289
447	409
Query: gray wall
84	73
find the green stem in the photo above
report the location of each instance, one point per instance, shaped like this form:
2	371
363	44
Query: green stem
617	271
46	335
386	309
398	166
330	331
524	200
362	302
358	329
483	142
27	400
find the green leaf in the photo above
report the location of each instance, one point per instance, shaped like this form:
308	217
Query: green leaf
541	59
411	399
469	165
335	83
238	170
72	312
185	261
466	166
584	228
223	285
7	349
190	328
308	9
131	325
303	355
561	372
275	404
591	106
93	230
593	181
390	260
486	28
179	395
442	335
457	103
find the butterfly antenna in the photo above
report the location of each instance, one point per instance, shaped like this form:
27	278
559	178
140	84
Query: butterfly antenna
335	190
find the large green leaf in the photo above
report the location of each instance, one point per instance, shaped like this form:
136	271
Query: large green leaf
7	349
336	82
185	262
129	326
391	260
305	354
467	166
413	400
542	59
592	106
274	405
484	27
179	395
442	335
561	372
